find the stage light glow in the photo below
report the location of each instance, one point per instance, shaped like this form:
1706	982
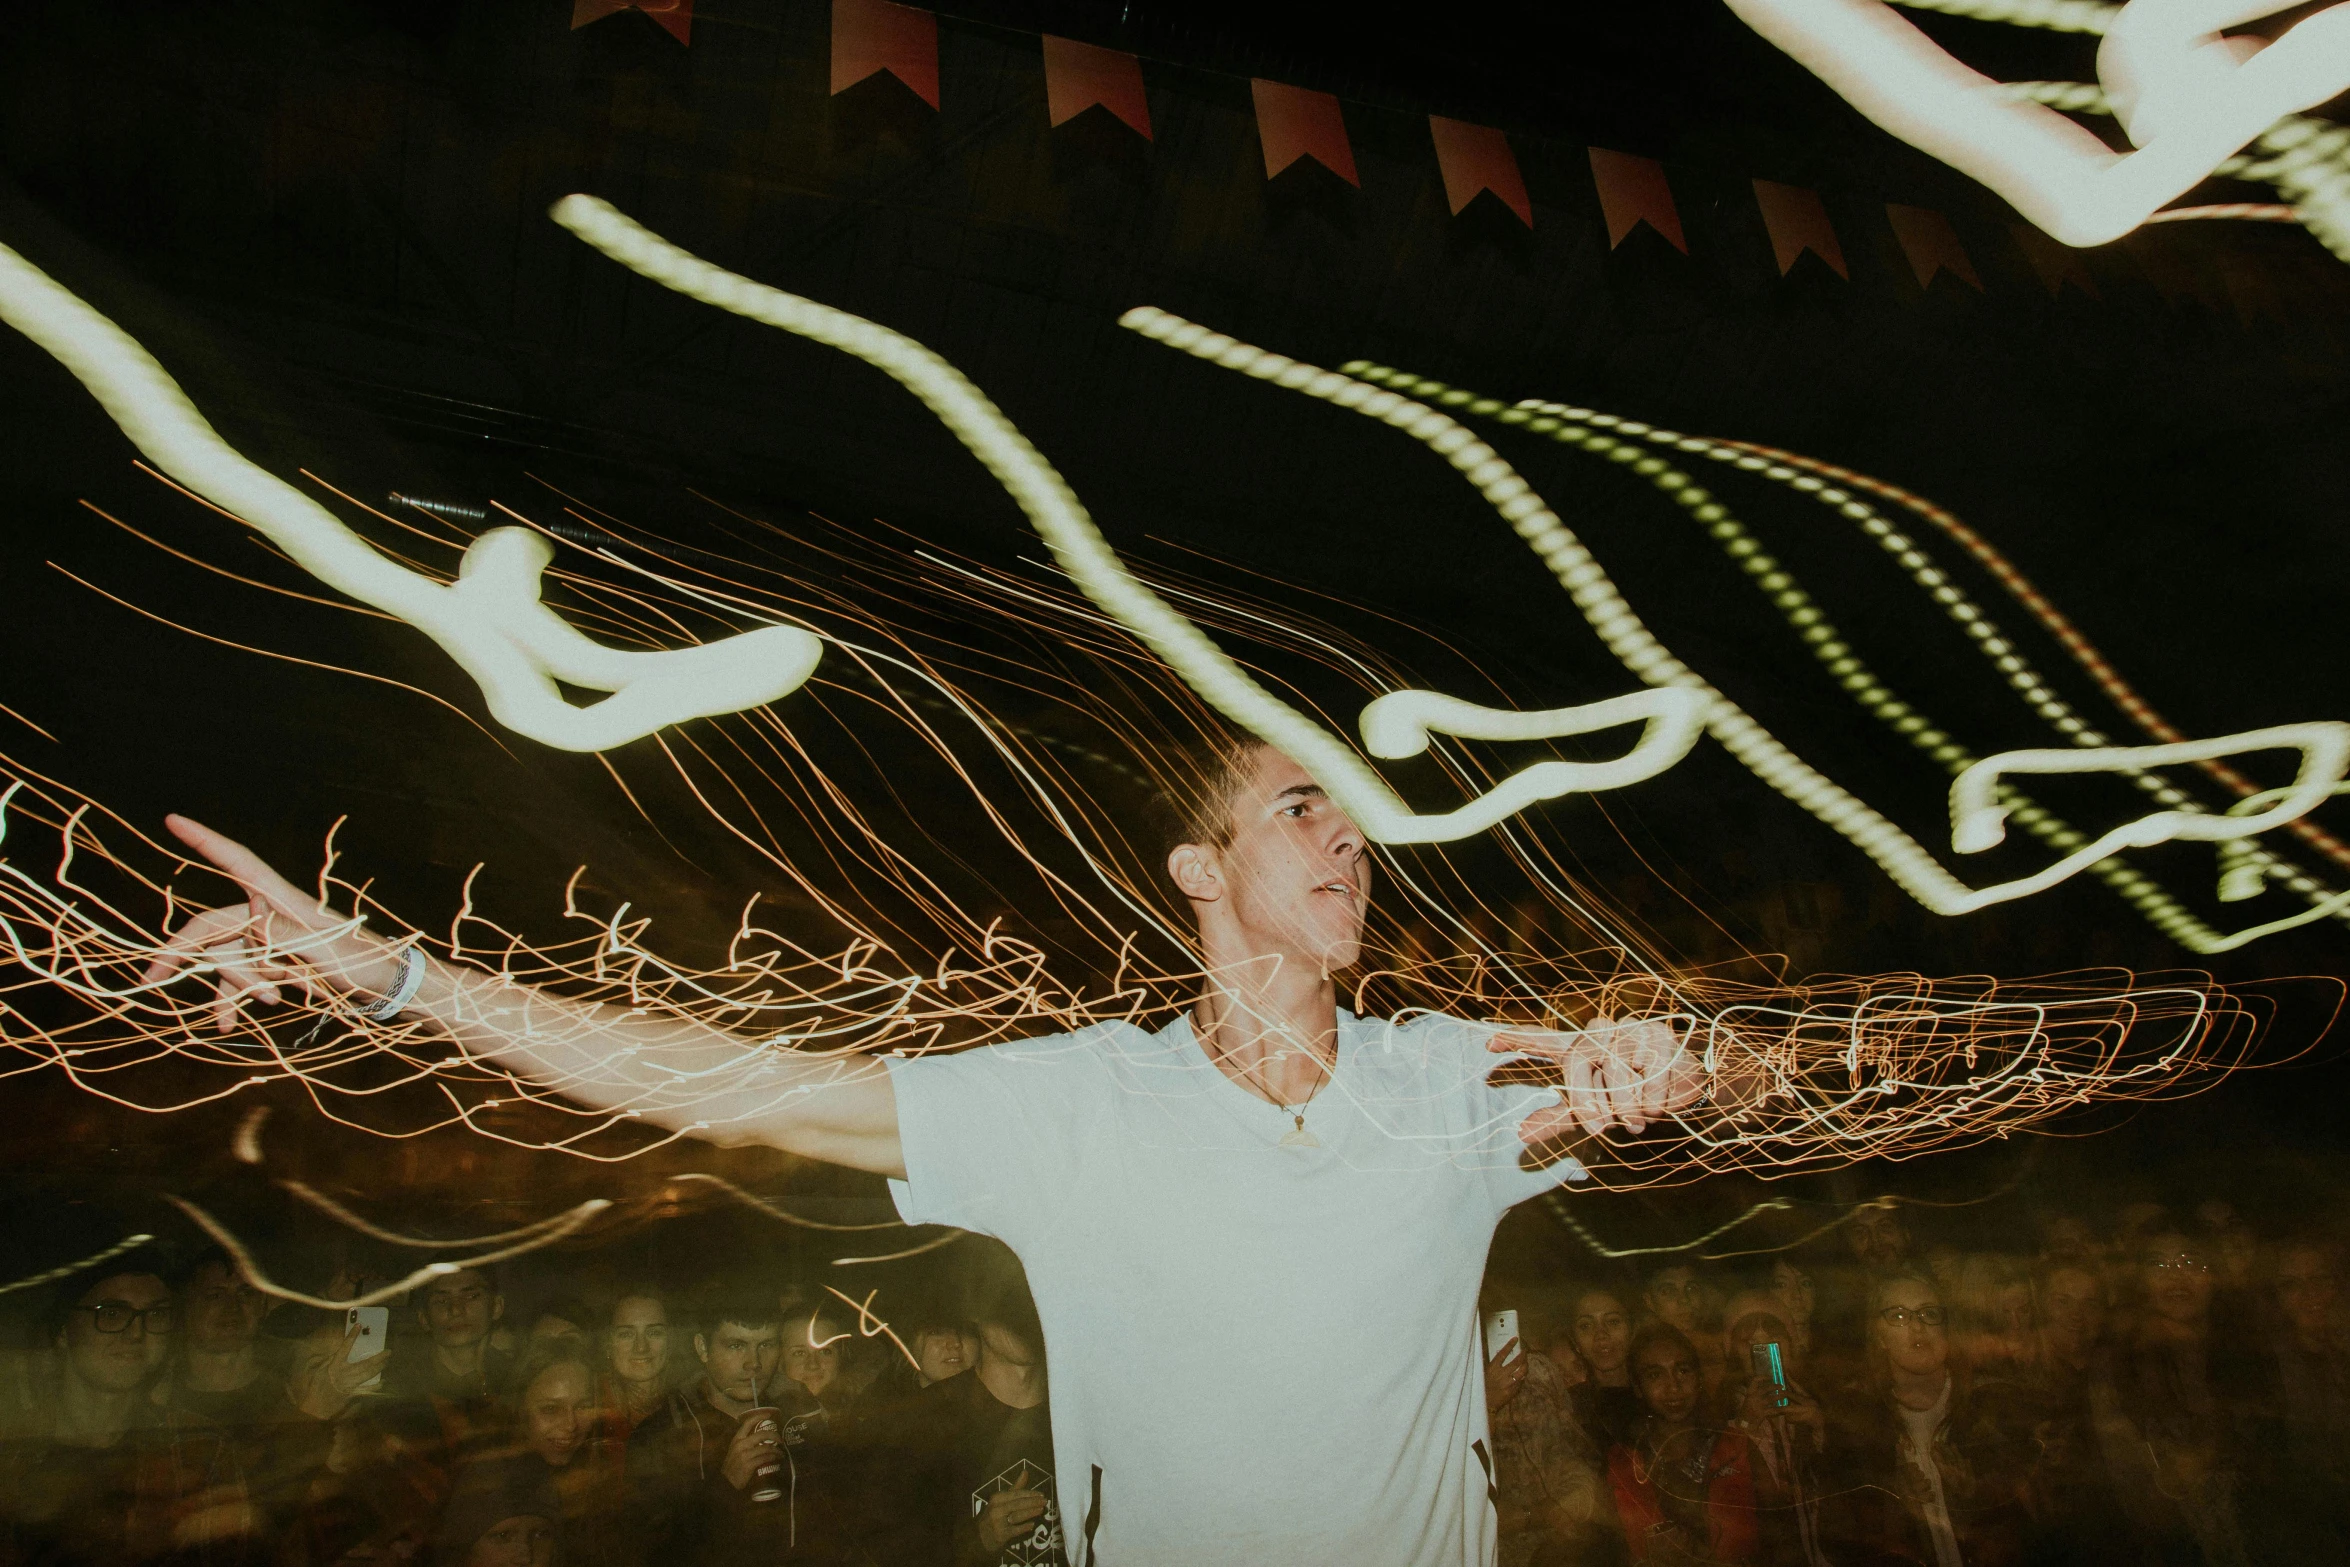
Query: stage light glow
490	620
2187	97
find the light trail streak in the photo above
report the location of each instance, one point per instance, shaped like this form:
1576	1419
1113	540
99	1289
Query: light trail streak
120	1248
1583	428
489	620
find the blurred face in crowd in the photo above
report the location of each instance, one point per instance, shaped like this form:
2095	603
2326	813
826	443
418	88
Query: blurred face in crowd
1676	1295
2306	1290
1793	1287
558	1409
1666	1376
740	1358
1909	1328
811	1353
1601	1331
552	1330
459	1310
2072	1310
2067	1237
2177	1278
944	1353
118	1332
1878	1238
220	1311
517	1542
637	1342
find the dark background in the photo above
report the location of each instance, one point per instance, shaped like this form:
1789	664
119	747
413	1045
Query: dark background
327	219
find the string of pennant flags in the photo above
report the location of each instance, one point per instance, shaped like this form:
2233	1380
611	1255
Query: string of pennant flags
877	37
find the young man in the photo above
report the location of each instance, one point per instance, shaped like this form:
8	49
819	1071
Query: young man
710	1476
1215	1218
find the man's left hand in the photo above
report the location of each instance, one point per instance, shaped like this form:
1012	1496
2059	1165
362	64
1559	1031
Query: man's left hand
1612	1072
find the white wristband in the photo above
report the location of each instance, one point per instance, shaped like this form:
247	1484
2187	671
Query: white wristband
395	1001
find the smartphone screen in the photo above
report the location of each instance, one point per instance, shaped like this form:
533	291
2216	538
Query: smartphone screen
1500	1328
1769	1366
374	1324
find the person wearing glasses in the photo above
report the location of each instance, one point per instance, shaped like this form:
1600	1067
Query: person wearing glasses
1927	1475
70	1486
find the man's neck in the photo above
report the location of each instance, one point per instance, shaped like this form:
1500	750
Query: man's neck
92	1417
1269	1024
220	1370
461	1360
1011	1384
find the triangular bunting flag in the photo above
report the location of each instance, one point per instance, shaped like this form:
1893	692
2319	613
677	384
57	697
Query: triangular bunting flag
1297	122
1798	222
1475	158
1932	246
2057	262
1078	76
677	16
1633	191
873	35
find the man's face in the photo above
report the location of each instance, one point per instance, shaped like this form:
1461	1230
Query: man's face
551	1330
1675	1296
1910	1330
2305	1290
1602	1332
1794	1289
459	1310
1877	1238
119	1332
1666	1377
219	1311
946	1352
2073	1305
811	1354
2177	1278
1001	1344
1294	881
638	1340
517	1542
558	1409
740	1360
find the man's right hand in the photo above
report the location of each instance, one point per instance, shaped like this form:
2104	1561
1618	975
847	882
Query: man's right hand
757	1445
1008	1516
314	948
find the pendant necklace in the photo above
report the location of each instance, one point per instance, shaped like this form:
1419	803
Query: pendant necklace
1297	1136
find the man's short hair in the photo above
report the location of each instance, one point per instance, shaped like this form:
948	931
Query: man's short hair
1005	1302
746	1310
489	1276
1649	1337
1195	786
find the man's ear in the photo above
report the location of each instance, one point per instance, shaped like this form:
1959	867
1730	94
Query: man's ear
1198	873
702	1348
497	1308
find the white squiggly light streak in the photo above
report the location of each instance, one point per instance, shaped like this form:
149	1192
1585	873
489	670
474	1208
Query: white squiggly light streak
1056	513
490	620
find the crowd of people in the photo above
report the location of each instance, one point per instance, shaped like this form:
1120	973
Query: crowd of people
2164	1389
2167	1389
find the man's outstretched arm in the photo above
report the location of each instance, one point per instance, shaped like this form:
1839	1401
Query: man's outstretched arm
671	1072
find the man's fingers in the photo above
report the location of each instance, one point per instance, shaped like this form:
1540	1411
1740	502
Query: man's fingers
1584	1096
247	869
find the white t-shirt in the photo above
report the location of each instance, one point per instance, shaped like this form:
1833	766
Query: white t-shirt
1259	1353
1921	1424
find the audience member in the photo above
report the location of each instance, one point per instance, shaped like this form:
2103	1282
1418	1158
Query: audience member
455	1362
970	1477
1553	1508
72	1486
1784	1426
943	1347
712	1474
1990	1296
636	1362
560	1323
1675	1294
1919	1472
1599	1331
1684	1492
2296	1485
494	1522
